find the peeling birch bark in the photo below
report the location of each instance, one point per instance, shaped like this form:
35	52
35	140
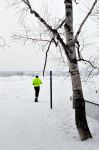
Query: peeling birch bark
80	114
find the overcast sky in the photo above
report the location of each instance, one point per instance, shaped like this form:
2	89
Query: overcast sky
17	56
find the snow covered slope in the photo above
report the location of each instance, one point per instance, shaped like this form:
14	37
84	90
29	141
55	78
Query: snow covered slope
25	125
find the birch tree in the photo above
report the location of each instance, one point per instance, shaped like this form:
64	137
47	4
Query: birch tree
68	46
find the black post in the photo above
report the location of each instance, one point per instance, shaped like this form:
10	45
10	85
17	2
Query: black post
51	89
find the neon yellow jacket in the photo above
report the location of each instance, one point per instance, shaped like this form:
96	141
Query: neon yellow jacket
36	82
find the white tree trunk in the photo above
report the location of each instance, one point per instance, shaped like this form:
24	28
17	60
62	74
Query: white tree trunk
80	115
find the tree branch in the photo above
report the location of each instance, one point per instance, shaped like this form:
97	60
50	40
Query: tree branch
47	56
37	15
84	60
15	36
83	22
53	31
26	2
61	24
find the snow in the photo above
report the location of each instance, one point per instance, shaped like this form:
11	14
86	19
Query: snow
26	125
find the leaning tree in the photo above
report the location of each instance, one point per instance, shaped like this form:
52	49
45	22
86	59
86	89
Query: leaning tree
68	44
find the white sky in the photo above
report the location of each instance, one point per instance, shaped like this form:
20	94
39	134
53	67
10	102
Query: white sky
28	57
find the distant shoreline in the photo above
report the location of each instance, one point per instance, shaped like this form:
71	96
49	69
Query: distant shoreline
31	73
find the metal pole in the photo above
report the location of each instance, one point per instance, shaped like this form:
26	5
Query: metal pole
51	89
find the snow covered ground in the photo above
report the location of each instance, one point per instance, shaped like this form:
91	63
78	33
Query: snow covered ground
25	125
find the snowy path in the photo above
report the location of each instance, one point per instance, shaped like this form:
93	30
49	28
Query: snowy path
25	125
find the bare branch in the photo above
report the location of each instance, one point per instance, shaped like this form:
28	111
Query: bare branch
53	31
15	36
78	49
61	24
87	61
28	37
85	19
47	56
91	68
26	2
37	15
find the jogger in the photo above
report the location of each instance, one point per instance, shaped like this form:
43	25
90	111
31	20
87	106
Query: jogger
36	82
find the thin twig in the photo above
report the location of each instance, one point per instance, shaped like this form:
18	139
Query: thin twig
61	24
87	61
15	36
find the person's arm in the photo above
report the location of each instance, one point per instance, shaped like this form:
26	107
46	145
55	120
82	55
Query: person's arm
33	81
40	81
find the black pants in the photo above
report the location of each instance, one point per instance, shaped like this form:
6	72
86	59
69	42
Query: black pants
37	89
